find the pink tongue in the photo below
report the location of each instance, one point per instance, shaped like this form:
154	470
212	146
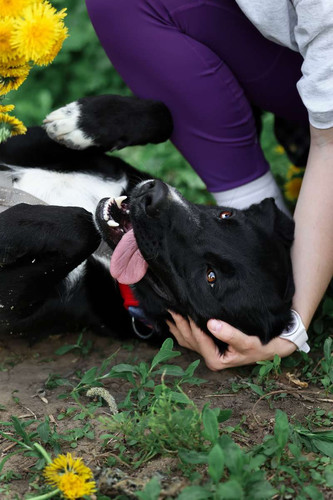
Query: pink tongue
127	264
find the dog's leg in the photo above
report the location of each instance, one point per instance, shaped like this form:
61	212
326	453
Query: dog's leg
110	122
39	247
36	149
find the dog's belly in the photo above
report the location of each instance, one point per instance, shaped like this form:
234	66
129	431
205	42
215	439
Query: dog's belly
75	189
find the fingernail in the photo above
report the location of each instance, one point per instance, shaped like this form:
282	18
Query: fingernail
214	325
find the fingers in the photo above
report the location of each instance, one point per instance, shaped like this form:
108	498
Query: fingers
181	330
190	336
230	335
206	347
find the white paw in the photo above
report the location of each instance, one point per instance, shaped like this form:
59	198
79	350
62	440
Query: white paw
62	126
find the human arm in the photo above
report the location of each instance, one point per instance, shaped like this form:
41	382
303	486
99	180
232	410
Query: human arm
312	256
312	251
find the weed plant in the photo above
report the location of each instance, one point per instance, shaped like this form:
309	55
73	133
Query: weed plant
158	418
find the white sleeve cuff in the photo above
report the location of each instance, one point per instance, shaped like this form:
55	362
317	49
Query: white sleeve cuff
296	333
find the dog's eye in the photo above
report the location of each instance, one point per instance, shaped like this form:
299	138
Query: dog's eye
226	214
211	277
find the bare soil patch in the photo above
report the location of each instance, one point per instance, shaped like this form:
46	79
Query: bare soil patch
25	369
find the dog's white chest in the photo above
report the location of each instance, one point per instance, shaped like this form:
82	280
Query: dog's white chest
75	189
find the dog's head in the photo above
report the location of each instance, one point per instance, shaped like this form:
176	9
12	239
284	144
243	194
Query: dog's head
202	261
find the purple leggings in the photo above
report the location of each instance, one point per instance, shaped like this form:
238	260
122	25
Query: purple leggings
208	64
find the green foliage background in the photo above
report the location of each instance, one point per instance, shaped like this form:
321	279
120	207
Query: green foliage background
81	69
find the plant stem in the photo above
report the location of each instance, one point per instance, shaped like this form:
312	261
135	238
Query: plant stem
46	495
44	453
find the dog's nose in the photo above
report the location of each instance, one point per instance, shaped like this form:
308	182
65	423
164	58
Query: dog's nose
155	194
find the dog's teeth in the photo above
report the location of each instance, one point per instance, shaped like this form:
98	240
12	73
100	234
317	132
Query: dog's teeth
105	214
112	223
106	209
119	200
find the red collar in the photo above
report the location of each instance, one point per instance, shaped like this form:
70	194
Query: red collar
128	296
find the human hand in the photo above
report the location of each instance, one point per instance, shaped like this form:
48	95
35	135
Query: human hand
242	349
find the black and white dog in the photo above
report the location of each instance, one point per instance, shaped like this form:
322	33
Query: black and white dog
200	261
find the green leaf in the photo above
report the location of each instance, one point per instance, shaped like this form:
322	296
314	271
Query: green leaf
44	430
328	350
230	490
216	463
179	397
193	457
224	415
313	492
324	447
257	389
64	349
281	428
257	461
124	368
195	493
235	457
89	376
20	430
151	491
165	353
211	426
276	360
191	368
172	370
328	474
261	490
265	369
295	450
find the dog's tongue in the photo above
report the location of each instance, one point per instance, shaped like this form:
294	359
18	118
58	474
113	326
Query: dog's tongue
127	264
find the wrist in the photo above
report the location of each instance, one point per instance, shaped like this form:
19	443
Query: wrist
296	333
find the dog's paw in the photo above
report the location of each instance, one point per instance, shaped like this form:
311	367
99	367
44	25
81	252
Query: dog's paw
63	126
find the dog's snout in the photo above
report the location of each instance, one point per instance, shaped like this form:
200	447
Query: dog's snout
155	194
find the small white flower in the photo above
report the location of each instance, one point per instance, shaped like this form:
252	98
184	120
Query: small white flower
104	394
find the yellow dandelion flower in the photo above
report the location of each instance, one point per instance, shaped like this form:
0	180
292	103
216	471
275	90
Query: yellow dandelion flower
293	170
9	125
48	57
70	476
12	77
6	109
279	149
37	31
73	486
7	54
292	188
14	7
15	70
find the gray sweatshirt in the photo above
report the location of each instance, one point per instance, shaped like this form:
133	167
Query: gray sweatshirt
305	26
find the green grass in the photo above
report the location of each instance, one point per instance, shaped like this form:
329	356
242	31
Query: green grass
157	418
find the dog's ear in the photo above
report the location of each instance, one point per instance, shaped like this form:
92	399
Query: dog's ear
273	219
9	255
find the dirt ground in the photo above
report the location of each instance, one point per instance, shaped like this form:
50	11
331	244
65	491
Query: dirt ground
24	370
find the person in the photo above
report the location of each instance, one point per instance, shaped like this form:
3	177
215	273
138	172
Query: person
211	62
